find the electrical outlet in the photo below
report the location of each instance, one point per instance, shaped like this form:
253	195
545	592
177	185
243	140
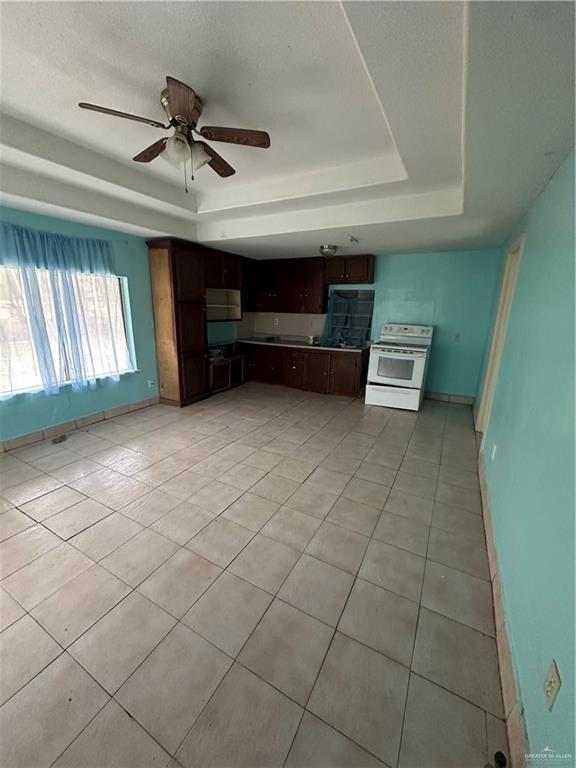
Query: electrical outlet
493	452
552	685
275	321
151	383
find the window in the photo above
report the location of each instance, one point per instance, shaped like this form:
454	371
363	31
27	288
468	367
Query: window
70	324
349	318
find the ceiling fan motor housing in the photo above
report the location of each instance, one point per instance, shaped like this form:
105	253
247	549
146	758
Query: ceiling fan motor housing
197	111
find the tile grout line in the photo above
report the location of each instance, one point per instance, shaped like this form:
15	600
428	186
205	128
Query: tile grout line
300	551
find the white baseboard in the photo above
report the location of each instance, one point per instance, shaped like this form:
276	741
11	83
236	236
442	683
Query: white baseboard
459	399
513	709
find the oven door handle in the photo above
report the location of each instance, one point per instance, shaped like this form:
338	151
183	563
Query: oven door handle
400	355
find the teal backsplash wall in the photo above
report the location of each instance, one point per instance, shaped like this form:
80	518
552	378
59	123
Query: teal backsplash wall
31	412
456	292
221	332
530	480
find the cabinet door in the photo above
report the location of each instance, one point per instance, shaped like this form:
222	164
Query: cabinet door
194	376
231	273
214	268
188	274
318	372
283	279
274	365
191	325
307	286
267	289
345	373
250	284
259	364
360	269
294	368
264	363
334	269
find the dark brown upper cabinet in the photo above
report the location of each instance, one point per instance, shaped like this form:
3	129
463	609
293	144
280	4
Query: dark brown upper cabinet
342	270
222	269
188	273
306	286
250	284
284	285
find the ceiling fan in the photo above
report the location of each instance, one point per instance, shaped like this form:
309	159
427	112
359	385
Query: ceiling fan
183	108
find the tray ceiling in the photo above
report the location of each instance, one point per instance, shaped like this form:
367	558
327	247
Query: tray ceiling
391	121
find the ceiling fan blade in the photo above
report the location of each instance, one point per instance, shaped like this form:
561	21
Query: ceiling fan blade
127	115
217	162
151	152
183	102
236	136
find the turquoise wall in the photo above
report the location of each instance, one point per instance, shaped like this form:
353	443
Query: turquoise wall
28	413
531	479
456	292
221	332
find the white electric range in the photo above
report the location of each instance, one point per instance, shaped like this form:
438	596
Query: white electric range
398	365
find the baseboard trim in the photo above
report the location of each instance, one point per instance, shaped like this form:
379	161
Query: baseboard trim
459	399
513	709
69	426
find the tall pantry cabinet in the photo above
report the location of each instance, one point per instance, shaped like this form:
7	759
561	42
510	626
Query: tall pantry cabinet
179	296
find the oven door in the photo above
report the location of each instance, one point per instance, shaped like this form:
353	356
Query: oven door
397	368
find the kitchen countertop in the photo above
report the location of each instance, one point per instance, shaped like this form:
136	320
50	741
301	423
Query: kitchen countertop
295	343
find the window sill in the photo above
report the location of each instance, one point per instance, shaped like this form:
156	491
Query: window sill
63	385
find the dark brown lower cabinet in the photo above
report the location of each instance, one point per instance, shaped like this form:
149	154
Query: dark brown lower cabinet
344	373
318	372
264	363
327	372
294	368
194	374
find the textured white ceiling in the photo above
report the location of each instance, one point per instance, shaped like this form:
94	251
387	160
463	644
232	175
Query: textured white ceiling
411	125
290	68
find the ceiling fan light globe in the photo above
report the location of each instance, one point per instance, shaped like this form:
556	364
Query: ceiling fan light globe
177	150
199	157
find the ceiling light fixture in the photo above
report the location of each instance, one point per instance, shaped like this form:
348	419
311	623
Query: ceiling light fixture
328	250
177	150
199	156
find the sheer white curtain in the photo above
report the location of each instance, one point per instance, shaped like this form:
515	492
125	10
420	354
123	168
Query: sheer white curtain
18	368
59	327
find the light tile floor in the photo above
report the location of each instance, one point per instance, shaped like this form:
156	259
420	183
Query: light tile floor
265	578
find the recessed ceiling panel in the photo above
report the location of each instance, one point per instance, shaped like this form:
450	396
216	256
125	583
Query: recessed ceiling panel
291	68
